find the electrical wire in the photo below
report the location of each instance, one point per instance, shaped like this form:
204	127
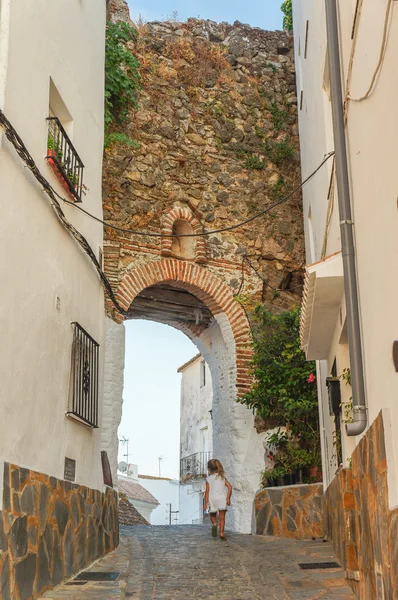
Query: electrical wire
23	153
381	56
14	138
204	233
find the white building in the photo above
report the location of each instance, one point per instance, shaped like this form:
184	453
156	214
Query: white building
52	305
167	493
137	495
195	436
354	197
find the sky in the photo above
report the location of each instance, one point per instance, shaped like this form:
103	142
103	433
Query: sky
258	13
151	409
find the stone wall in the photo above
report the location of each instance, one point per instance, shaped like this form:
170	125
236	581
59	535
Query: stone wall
49	530
218	142
363	529
339	521
217	137
293	511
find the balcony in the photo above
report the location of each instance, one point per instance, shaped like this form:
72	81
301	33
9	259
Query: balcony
194	467
64	160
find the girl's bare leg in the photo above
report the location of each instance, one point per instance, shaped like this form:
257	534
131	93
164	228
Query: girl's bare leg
221	517
213	518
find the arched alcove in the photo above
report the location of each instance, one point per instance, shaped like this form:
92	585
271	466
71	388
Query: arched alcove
183	247
180	220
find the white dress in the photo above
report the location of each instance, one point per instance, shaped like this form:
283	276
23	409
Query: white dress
218	493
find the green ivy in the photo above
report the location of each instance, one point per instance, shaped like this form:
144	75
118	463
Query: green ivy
122	79
282	391
287	10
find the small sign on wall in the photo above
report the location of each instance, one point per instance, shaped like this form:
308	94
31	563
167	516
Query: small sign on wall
70	469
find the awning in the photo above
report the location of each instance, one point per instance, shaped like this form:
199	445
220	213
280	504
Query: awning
323	293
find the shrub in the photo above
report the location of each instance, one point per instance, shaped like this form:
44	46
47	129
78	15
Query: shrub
254	162
282	391
122	79
279	151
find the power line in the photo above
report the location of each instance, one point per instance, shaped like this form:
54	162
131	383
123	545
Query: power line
23	153
204	233
26	157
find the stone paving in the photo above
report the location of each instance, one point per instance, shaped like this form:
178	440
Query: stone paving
184	562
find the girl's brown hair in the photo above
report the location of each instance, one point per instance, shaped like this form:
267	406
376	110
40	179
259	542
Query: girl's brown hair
215	466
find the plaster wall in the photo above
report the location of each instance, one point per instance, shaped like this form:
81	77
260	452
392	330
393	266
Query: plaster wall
191	503
196	404
40	261
235	441
144	509
373	154
166	491
113	390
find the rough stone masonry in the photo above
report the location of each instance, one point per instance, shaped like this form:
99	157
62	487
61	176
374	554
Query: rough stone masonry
217	143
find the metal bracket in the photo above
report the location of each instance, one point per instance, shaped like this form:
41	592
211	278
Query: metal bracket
346	222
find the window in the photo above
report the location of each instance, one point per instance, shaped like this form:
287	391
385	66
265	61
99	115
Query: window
61	154
83	404
64	160
202	373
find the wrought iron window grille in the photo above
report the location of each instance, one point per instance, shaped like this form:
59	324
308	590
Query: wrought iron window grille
83	402
194	467
63	158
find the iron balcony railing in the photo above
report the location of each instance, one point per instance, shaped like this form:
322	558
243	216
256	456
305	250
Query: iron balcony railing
64	159
84	377
194	466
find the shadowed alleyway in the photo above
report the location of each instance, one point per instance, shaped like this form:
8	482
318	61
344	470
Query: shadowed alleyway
185	562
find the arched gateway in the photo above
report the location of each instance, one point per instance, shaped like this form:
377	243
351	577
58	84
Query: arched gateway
217	145
194	300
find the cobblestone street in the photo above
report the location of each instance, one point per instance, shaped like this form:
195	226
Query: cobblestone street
185	562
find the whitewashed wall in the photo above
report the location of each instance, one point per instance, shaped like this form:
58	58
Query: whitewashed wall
373	155
115	347
166	491
196	404
39	261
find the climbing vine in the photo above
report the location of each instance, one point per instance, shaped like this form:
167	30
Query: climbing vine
122	80
284	389
287	10
284	393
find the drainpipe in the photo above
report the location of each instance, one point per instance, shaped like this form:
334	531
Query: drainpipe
346	225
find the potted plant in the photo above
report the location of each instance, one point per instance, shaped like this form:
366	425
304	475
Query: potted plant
273	477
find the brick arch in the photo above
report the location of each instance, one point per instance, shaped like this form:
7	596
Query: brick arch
168	220
206	286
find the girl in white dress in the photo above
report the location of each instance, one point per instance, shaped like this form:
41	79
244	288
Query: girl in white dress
217	496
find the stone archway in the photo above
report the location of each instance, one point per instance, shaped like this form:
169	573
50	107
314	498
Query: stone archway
223	338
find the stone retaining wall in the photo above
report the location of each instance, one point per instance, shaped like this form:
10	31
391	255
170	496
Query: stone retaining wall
359	522
293	511
49	530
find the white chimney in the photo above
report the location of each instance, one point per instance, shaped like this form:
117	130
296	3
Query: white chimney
132	471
